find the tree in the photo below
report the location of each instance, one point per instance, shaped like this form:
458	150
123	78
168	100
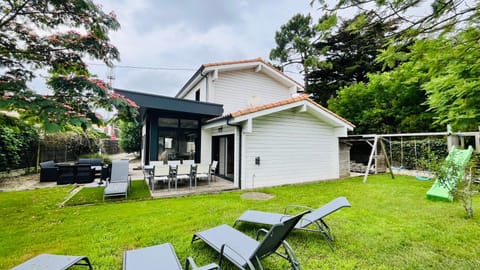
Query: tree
295	41
29	43
350	54
453	88
391	102
414	17
130	136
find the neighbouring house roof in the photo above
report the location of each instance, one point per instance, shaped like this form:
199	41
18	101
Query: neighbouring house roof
237	65
281	105
151	101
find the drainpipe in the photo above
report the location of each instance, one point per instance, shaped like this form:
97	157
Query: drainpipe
205	76
239	127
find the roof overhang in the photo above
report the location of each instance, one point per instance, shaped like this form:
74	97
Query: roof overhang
302	106
148	101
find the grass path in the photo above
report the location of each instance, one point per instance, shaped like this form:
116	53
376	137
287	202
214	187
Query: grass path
389	226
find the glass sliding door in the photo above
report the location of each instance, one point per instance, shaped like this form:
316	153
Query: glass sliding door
223	150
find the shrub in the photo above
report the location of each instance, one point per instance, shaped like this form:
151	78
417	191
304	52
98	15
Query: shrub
409	153
130	136
18	144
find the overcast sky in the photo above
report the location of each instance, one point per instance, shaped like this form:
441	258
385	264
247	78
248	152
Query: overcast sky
188	33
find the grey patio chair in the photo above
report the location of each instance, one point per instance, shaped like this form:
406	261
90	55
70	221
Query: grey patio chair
158	257
161	173
119	180
313	219
247	253
185	172
203	172
213	168
53	262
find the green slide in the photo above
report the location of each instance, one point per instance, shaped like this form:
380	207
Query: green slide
441	192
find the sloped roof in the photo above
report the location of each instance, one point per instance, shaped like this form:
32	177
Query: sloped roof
272	105
240	64
254	60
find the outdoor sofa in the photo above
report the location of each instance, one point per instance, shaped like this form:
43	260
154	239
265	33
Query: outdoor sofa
48	171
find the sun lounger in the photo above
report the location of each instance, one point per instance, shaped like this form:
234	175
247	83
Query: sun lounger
157	258
53	262
119	180
310	222
245	252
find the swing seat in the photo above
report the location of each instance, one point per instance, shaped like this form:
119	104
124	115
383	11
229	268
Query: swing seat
423	178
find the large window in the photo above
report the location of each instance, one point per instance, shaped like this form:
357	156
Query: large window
177	138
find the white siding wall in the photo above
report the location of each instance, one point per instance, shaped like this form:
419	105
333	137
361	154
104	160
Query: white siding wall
234	89
200	85
293	148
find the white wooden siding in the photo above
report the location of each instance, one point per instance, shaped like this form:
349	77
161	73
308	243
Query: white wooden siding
293	148
200	85
234	89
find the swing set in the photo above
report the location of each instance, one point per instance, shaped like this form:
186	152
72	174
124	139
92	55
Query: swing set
374	140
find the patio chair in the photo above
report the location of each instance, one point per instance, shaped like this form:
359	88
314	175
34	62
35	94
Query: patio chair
188	162
313	219
213	169
245	252
119	180
53	262
160	174
184	173
174	162
203	172
158	257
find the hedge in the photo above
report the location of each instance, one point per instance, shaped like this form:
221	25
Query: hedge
416	150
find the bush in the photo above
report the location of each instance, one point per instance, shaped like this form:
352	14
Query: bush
130	136
68	146
416	150
18	144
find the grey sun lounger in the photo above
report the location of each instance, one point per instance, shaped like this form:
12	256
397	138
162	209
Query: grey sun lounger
119	180
53	262
158	258
311	222
246	252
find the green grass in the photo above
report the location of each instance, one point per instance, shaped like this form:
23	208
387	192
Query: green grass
391	225
138	191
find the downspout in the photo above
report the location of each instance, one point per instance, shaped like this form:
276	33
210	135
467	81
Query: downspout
239	127
206	85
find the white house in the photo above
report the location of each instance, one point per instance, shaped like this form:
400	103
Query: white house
269	133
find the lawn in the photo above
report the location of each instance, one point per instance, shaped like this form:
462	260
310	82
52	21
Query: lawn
390	225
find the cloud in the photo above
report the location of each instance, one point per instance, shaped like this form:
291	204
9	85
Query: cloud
189	33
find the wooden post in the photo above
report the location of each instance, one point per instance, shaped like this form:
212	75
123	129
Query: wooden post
374	147
386	158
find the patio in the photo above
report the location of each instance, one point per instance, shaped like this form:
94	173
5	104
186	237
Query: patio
161	191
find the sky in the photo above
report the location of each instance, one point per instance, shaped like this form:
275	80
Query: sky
185	34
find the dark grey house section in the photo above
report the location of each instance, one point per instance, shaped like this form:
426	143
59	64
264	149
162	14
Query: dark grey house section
172	125
151	101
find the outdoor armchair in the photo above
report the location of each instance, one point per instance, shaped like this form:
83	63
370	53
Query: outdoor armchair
311	222
158	257
246	252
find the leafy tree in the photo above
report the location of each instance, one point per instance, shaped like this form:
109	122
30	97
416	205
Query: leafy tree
392	102
453	87
56	36
350	54
295	42
414	17
130	136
